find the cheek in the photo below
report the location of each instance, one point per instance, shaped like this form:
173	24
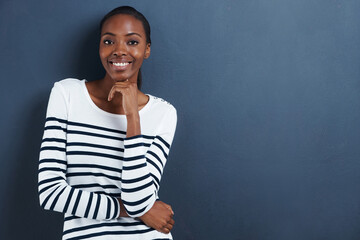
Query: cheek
103	53
139	54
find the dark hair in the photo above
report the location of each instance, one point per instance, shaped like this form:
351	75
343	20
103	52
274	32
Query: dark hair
126	10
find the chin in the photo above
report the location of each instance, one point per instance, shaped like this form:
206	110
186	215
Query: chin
118	78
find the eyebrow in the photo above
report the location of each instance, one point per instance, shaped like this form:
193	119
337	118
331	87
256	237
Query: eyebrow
129	34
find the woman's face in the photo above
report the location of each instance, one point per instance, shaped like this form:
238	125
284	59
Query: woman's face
123	47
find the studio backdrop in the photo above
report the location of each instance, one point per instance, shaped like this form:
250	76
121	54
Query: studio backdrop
268	100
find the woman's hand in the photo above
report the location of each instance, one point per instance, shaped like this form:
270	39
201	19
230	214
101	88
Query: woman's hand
159	217
129	94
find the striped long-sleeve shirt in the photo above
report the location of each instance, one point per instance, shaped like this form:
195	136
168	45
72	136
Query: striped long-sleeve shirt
86	163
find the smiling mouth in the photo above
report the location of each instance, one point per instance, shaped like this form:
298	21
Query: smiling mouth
120	64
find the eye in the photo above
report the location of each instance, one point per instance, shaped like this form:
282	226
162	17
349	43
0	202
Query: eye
108	42
133	42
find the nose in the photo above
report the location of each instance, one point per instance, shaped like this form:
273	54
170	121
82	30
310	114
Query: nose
120	49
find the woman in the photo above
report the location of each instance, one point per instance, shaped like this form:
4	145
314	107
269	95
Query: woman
106	143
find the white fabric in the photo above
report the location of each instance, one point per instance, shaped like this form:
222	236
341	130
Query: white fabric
86	162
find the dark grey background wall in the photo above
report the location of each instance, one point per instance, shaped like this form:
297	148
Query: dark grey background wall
268	99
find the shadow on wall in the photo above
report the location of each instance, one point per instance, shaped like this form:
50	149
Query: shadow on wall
23	218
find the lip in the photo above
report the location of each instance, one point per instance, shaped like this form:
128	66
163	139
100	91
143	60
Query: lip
119	64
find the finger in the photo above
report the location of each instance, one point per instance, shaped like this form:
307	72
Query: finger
119	81
110	95
170	208
167	206
122	83
169	226
166	230
114	90
171	221
127	84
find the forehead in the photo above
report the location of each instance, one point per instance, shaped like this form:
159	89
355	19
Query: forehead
123	24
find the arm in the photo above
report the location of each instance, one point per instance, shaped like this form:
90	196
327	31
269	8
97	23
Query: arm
144	160
54	191
142	172
141	175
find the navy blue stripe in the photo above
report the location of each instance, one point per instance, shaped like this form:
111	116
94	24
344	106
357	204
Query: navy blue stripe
56	119
94	185
76	203
135	145
116	204
95	146
148	137
130	190
79	174
86	153
54	140
137	202
140	136
47	187
135	179
162	149
134	158
50	180
53	148
94	166
96	127
132	213
48	197
97	207
133	137
88	205
84	125
108	208
163	141
56	199
152	163
68	200
52	169
134	167
51	160
94	135
116	195
105	224
54	128
156	180
69	218
104	233
157	157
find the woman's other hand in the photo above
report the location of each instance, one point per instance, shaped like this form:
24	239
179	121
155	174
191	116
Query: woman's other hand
159	217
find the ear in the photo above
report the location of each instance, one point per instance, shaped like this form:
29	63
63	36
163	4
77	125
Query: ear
147	51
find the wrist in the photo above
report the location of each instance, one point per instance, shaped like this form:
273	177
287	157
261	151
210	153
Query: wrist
123	212
133	116
133	125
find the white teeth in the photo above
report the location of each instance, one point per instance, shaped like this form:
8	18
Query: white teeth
121	64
